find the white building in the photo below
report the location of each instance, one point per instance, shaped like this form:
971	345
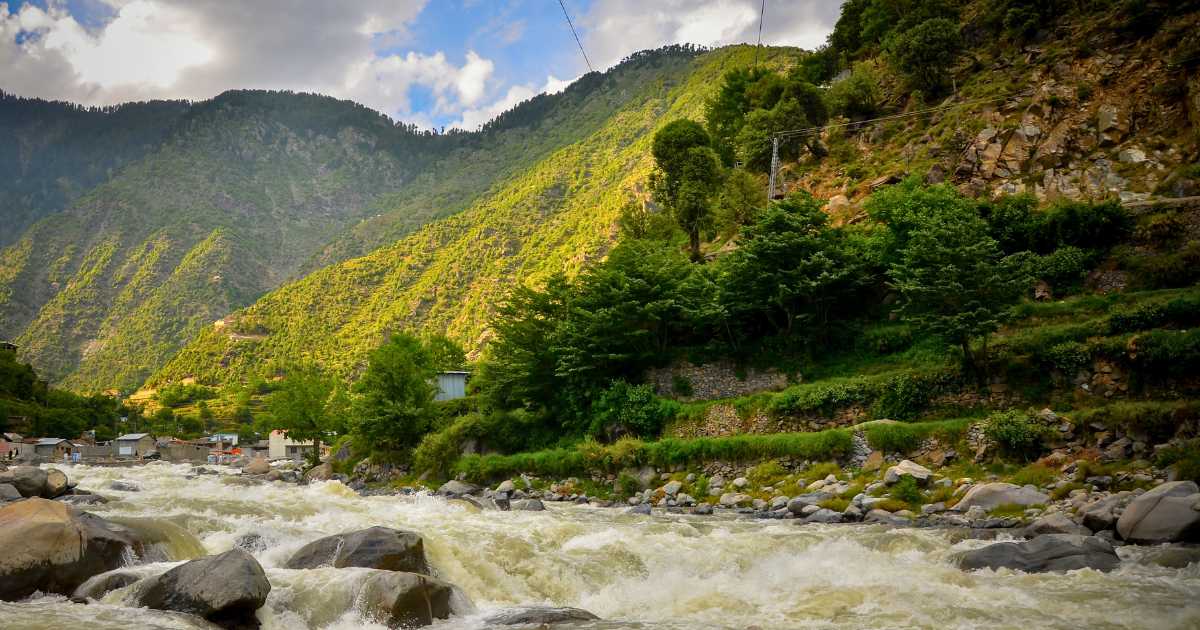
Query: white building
280	446
451	385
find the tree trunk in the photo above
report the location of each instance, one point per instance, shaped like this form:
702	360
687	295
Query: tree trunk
694	238
316	455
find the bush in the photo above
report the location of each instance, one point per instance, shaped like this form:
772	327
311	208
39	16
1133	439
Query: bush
1166	352
906	490
857	96
926	52
1184	458
1064	268
1034	474
632	408
681	385
1183	312
1069	357
628	485
886	339
1016	433
907	437
902	398
1097	227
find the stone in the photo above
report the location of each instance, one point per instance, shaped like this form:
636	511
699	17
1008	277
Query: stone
734	499
121	485
779	502
887	518
1167	513
1132	155
372	548
324	472
98	586
740	482
407	600
9	492
989	496
703	509
56	483
50	547
257	466
1100	515
672	488
1052	552
823	515
797	504
684	500
82	499
1172	557
538	616
455	488
506	487
527	505
874	461
30	481
907	468
226	589
642	509
1056	523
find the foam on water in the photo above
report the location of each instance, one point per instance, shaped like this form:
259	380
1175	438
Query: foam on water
636	572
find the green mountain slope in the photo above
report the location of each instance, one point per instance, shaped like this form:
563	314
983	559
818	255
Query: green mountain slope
448	275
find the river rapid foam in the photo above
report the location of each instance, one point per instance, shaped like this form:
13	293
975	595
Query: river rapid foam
661	572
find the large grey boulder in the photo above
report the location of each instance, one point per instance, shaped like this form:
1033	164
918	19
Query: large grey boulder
1052	552
30	481
527	505
538	616
1056	523
8	492
406	600
823	515
1101	515
797	504
257	466
990	496
50	547
225	589
1168	513
907	468
372	548
455	488
734	499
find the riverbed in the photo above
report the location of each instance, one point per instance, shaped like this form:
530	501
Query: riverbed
662	572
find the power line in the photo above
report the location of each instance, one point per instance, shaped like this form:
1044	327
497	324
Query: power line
572	25
761	11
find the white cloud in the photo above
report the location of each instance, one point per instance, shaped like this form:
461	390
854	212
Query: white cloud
613	29
473	118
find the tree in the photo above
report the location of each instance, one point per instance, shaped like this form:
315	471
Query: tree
926	52
395	405
857	96
205	415
688	175
740	199
725	111
305	406
790	268
955	283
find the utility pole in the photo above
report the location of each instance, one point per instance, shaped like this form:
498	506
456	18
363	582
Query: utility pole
774	167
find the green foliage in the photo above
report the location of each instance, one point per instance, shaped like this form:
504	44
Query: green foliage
907	437
741	199
681	385
1183	312
1166	352
906	490
1184	458
688	175
395	405
630	409
1069	357
1034	474
309	405
857	96
1064	269
1157	419
926	52
178	394
1016	433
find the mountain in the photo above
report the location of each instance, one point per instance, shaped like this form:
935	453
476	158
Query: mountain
230	198
448	276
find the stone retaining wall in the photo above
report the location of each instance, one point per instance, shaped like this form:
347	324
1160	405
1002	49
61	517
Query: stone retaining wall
713	380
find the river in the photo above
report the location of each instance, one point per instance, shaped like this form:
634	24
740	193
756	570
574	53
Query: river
662	572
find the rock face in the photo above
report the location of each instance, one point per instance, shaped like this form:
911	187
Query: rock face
226	589
30	481
1053	552
989	496
907	468
406	600
50	547
538	615
1168	513
371	548
9	492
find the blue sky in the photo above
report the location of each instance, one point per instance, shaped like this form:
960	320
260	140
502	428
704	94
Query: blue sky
433	62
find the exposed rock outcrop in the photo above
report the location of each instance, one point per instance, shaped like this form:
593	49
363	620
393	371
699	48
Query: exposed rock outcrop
371	548
226	589
407	600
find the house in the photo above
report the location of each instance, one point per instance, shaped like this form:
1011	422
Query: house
186	451
54	449
451	385
279	446
222	441
134	445
261	448
10	446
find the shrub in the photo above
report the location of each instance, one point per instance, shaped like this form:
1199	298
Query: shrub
857	96
1064	268
906	490
633	407
902	398
681	385
628	485
766	473
1182	311
1016	433
1093	226
1159	419
892	505
1069	357
886	339
1166	352
926	52
1034	474
892	438
700	487
1184	458
835	504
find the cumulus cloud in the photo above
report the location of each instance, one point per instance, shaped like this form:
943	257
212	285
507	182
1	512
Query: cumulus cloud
615	28
473	118
196	49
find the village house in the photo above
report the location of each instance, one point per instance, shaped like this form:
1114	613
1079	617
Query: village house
10	446
54	449
134	445
451	385
282	447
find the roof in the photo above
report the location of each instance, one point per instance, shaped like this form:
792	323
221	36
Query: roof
49	441
455	372
133	436
13	437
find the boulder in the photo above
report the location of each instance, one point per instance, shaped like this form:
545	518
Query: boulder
56	483
50	547
823	515
455	488
324	472
82	499
1056	523
124	486
1053	552
989	496
30	481
538	616
505	487
885	517
226	589
528	505
9	492
1168	513
703	509
1100	515
1172	556
98	586
873	462
672	488
734	499
406	600
797	504
642	509
907	468
257	466
371	548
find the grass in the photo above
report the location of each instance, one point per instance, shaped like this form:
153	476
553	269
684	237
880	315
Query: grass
1012	510
1035	475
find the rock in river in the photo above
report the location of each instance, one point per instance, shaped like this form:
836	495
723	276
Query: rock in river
989	496
98	586
1168	513
455	488
407	600
50	547
30	481
538	616
1052	552
226	589
371	548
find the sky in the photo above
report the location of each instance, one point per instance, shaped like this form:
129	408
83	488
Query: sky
435	63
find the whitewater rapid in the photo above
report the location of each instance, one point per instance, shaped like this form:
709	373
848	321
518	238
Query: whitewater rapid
661	572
